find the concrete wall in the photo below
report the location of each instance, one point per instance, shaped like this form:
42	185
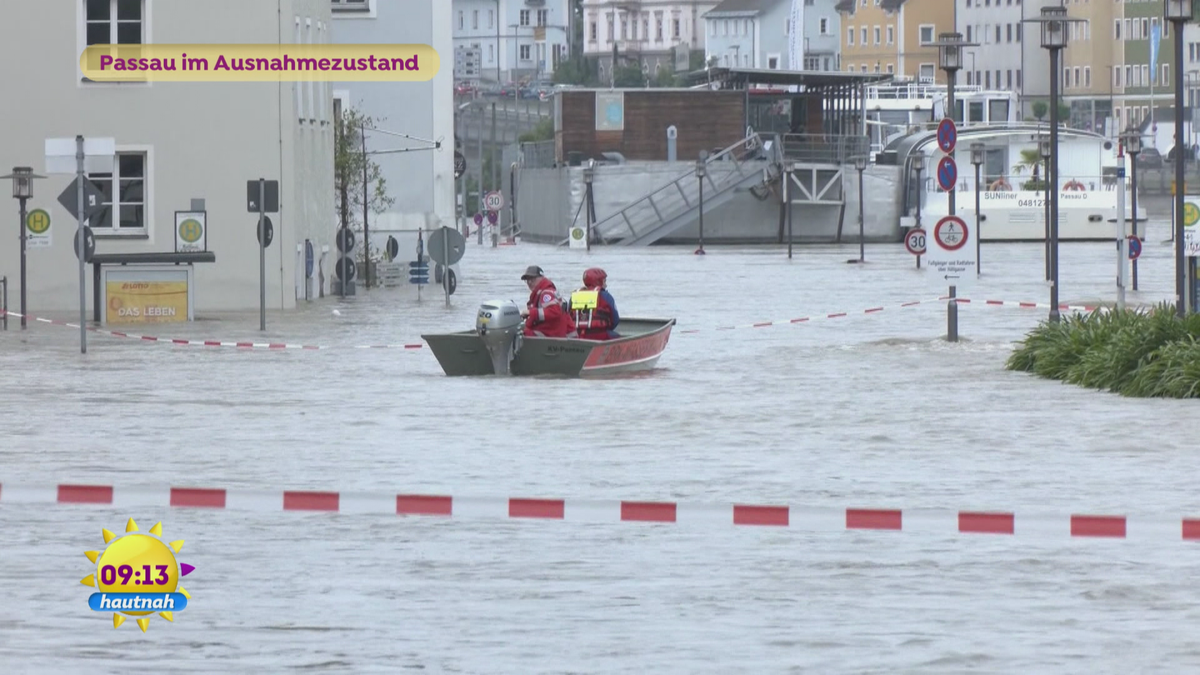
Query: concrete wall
548	200
203	140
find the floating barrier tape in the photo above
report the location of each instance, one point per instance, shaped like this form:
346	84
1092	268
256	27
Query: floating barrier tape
805	518
761	324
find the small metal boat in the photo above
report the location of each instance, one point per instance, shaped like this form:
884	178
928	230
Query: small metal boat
497	347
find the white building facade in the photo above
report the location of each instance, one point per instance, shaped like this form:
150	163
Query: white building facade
175	142
1010	56
525	39
651	32
758	34
421	181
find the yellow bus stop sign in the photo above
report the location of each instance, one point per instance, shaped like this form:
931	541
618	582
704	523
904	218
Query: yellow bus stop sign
37	221
1191	214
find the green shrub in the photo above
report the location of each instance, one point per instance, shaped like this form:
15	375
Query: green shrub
1130	352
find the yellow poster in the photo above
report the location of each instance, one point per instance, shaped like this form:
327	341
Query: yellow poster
147	301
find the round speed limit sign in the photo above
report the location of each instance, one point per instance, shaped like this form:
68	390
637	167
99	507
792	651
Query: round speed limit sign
493	201
914	241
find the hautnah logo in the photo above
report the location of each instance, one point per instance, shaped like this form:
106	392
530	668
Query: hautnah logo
137	575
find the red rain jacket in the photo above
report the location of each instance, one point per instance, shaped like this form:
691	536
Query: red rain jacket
547	317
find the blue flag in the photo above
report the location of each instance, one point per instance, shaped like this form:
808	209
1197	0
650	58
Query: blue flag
1155	37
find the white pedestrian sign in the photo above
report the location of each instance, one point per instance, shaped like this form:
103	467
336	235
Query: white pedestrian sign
950	256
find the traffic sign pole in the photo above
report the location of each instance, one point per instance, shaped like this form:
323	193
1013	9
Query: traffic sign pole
948	178
262	255
1121	256
79	178
24	234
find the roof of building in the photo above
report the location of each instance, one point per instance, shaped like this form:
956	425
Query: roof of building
742	7
807	78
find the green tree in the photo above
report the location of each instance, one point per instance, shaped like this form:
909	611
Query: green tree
544	131
349	160
630	76
1040	108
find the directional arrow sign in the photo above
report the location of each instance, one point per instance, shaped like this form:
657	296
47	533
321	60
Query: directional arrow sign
950	256
947	173
93	199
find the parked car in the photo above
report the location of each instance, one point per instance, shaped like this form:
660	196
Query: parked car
1150	158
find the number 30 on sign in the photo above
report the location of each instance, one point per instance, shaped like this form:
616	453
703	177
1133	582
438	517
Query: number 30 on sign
914	241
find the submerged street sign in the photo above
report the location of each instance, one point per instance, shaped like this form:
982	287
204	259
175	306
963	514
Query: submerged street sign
950	258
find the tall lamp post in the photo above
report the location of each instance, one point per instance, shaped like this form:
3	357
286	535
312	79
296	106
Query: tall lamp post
977	151
1044	151
1133	145
22	178
701	170
860	164
1178	12
1054	39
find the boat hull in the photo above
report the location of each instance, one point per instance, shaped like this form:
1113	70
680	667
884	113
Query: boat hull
639	348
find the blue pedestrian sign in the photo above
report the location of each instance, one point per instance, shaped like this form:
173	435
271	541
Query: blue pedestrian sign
947	173
1135	247
418	272
947	135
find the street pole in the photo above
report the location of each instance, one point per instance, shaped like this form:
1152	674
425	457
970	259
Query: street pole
1121	255
366	205
79	177
861	219
1055	76
787	204
1133	198
262	254
920	189
952	306
978	232
24	231
1046	214
1180	307
446	271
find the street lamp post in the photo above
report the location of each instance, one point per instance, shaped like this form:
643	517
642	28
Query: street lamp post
588	172
701	170
860	163
22	178
977	151
918	165
1178	12
1044	151
1133	145
1054	39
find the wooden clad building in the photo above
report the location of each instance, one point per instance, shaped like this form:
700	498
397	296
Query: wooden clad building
635	122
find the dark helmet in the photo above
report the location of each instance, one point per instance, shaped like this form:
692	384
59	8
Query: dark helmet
594	278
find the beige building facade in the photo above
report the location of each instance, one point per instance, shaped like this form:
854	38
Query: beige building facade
894	37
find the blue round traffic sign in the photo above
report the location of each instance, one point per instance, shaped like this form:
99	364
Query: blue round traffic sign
1135	247
947	173
479	218
947	134
309	258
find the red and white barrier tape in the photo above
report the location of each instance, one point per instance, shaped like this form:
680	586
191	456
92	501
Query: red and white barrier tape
209	343
929	521
761	324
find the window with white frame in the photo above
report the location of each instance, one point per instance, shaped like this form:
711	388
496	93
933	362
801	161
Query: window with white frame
525	52
121	22
475	19
925	33
878	35
773	63
543	16
675	28
524	17
124	190
926	72
891	35
113	22
850	36
824	26
461	20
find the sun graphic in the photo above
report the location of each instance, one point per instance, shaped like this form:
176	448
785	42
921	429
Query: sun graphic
135	572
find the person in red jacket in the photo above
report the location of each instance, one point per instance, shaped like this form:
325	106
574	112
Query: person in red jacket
545	315
593	307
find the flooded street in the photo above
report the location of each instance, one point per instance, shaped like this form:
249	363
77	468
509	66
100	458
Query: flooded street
868	410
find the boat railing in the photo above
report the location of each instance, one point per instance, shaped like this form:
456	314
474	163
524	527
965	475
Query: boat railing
916	90
1025	182
823	148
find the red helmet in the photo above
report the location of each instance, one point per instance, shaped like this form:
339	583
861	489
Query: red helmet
594	278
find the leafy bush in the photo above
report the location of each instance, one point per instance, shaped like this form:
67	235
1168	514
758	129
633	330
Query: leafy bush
1130	352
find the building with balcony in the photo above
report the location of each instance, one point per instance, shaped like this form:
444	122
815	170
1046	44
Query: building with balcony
657	34
176	142
822	35
894	37
514	40
421	180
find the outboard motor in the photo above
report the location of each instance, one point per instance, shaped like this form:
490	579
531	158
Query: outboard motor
500	324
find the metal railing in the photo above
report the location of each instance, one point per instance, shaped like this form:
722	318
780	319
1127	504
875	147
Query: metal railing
680	195
537	155
823	148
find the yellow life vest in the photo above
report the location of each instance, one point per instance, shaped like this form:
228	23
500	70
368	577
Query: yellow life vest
583	303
